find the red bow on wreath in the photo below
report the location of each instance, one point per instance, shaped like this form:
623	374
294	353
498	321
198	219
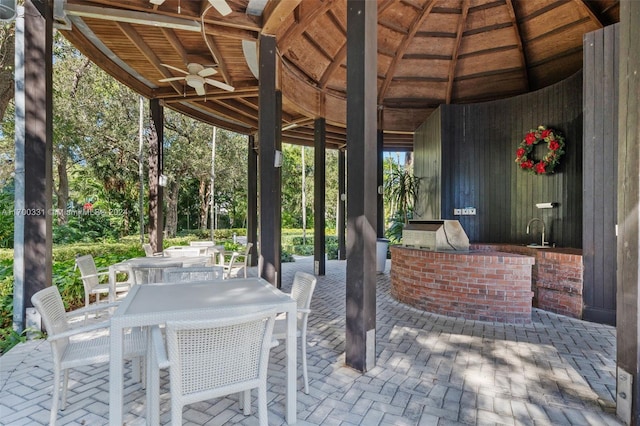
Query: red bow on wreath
555	143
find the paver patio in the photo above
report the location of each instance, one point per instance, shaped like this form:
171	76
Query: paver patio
431	370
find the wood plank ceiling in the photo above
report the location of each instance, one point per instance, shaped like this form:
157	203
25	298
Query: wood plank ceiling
430	52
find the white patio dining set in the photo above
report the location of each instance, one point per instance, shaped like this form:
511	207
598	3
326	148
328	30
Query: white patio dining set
184	311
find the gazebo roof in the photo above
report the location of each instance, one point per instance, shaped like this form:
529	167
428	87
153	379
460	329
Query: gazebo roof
430	52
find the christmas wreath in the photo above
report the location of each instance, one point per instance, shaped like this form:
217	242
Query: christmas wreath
555	143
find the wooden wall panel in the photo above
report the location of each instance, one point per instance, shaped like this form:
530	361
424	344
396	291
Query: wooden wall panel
427	166
478	169
600	91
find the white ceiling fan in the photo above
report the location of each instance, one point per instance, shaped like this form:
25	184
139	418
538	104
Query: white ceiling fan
220	5
196	77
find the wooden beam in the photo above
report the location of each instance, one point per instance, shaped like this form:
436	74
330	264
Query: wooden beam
587	9
319	192
628	218
413	29
32	256
362	50
275	13
454	55
132	17
296	30
148	53
217	56
252	198
269	137
342	204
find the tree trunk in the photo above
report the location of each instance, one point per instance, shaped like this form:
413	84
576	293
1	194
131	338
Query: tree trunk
7	58
171	225
205	197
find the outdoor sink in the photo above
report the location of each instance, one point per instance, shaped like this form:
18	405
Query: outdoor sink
537	246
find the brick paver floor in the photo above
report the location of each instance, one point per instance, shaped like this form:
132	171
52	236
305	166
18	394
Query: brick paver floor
431	370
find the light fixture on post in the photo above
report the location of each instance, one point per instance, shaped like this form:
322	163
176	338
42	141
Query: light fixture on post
277	159
163	180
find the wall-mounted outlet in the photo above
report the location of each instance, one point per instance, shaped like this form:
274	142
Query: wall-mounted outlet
457	212
469	211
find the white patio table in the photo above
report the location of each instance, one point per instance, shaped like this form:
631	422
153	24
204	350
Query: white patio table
156	262
155	304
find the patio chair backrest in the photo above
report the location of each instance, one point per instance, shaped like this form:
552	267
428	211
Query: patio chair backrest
88	272
213	357
49	305
302	291
193	273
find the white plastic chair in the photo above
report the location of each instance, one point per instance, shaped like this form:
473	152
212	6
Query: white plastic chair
302	291
209	358
91	275
193	273
238	260
85	349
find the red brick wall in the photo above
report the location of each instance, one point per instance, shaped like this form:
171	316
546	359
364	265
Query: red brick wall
556	277
481	285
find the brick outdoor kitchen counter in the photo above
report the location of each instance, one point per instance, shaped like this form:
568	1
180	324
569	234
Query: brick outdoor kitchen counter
477	285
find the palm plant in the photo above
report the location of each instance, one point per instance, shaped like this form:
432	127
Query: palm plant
401	190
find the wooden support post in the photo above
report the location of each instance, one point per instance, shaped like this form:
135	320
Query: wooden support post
380	168
252	199
156	219
269	136
362	126
32	266
342	194
628	276
319	182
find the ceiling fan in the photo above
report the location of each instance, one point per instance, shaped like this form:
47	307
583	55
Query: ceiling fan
220	5
196	77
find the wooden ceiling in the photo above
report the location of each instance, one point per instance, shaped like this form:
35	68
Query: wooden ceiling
430	52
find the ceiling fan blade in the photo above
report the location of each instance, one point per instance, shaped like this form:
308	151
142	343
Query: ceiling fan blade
221	6
200	90
174	68
207	72
219	84
171	79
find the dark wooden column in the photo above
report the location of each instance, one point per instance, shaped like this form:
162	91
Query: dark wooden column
319	182
628	297
252	199
33	169
342	204
269	137
361	183
380	168
156	162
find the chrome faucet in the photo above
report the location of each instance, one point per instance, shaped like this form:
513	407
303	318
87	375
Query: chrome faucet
544	243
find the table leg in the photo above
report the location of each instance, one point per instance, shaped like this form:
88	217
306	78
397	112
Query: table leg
116	374
292	373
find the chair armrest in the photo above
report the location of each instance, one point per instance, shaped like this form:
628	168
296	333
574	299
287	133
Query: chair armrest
157	346
79	330
99	274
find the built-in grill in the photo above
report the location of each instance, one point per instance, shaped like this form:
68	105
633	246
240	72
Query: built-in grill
435	235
